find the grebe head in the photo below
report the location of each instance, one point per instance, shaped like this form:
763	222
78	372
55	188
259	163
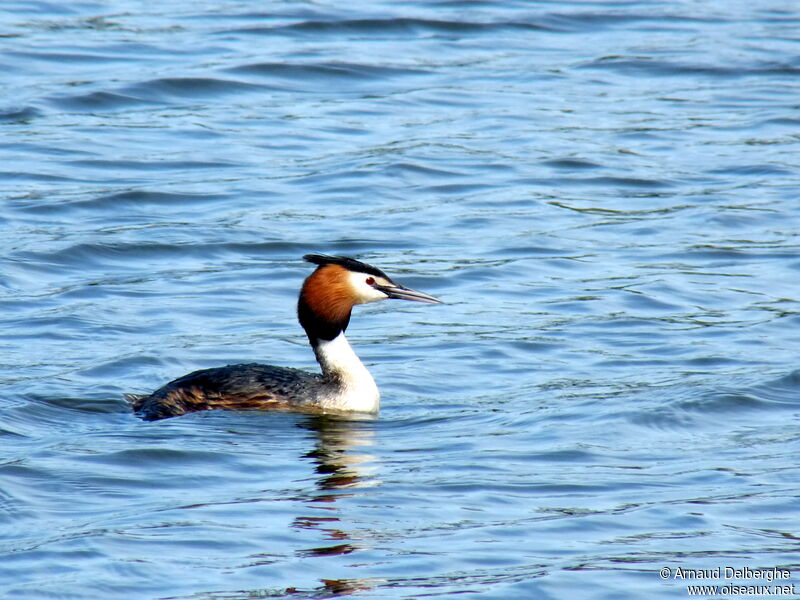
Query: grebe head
339	283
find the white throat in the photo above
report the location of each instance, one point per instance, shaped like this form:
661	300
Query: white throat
356	391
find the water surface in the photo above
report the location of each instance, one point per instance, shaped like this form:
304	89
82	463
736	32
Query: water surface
603	193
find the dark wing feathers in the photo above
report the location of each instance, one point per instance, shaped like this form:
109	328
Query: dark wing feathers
250	386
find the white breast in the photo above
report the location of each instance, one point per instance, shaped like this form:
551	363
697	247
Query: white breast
357	391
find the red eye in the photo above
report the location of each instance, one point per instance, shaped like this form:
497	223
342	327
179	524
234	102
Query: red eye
370	281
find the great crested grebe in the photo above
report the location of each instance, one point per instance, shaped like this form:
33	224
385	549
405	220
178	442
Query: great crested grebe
326	299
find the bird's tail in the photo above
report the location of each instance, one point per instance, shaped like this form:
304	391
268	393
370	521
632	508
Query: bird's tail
135	400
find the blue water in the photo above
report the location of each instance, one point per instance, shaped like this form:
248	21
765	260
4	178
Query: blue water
603	193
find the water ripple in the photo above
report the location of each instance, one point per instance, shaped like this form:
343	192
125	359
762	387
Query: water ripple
389	26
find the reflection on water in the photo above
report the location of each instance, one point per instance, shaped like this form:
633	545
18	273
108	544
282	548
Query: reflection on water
337	463
344	469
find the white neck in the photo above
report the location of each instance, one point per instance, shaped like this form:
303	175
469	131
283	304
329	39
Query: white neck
356	391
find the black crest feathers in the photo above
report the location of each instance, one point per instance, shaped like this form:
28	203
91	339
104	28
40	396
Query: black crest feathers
351	264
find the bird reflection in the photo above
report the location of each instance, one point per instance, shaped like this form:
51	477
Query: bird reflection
344	468
340	467
342	471
335	587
